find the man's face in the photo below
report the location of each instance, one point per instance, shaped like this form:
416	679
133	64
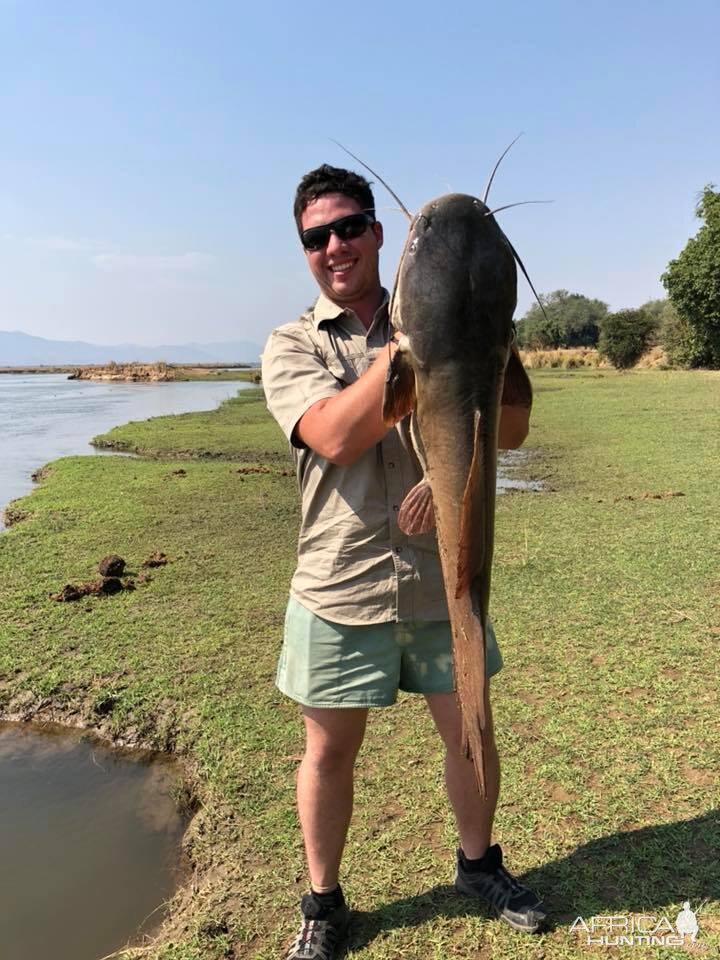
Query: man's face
346	270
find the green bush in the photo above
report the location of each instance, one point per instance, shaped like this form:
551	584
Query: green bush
677	338
692	281
625	336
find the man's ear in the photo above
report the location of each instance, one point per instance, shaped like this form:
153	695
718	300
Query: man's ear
378	231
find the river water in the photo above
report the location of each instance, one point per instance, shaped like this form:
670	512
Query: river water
46	416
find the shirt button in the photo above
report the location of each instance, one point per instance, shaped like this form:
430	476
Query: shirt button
396	507
398	549
391	465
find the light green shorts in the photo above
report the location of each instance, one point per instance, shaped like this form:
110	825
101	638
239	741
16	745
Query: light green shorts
325	664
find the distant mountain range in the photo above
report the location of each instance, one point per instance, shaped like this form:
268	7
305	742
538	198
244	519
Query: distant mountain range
21	350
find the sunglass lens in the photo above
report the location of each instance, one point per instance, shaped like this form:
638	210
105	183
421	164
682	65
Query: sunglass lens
349	228
346	228
315	238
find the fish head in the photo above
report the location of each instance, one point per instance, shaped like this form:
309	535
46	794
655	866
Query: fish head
456	281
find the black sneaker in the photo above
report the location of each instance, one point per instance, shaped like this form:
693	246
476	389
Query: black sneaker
322	931
511	901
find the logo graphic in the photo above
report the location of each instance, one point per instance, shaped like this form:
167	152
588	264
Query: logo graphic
686	922
629	930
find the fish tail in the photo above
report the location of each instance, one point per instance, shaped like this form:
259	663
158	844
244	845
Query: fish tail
470	683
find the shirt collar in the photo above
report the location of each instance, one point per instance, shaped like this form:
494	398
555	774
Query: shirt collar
325	309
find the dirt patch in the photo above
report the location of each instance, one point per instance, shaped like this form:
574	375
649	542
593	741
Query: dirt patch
12	515
531	699
558	793
699	778
264	469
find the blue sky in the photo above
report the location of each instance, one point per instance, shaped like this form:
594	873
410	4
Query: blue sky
150	150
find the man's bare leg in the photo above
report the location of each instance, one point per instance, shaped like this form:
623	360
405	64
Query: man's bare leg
473	815
325	788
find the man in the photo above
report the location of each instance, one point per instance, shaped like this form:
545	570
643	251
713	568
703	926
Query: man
367	613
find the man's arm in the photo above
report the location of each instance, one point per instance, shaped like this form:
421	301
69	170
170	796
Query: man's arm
343	427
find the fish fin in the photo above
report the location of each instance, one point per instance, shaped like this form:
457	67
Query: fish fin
417	513
399	393
471	547
517	391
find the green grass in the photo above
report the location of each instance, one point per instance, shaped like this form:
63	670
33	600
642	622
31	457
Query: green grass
240	429
249	375
606	602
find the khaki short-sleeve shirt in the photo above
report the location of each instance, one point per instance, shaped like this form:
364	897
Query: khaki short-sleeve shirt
355	565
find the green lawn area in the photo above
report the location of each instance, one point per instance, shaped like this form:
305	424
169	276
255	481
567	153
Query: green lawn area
606	602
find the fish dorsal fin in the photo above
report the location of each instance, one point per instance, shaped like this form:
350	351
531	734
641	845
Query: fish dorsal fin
472	548
399	392
517	390
417	513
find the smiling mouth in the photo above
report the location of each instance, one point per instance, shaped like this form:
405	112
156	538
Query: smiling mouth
342	267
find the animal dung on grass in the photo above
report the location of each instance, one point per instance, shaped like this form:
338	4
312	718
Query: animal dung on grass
111	566
103	586
156	559
650	495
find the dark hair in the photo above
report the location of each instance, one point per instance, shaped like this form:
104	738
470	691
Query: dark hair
327	179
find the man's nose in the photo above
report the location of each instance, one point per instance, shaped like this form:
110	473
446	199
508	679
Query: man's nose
334	243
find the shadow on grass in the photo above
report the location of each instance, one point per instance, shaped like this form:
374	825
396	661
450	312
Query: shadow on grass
640	870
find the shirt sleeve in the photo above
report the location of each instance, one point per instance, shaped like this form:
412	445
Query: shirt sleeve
294	377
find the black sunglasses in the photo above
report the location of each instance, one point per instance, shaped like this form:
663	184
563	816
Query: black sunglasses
346	228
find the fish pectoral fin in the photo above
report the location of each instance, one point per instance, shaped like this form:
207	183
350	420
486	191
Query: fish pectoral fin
471	547
417	513
517	391
399	393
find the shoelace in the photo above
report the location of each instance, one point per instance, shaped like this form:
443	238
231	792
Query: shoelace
306	940
499	887
511	881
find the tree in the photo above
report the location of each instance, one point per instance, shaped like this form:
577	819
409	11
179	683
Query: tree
572	321
677	338
692	281
625	335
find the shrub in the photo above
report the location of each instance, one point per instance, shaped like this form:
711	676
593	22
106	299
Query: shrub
625	336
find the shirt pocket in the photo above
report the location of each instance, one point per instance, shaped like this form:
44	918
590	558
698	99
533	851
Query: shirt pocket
359	363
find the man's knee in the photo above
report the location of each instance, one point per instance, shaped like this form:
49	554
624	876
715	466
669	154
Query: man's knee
333	738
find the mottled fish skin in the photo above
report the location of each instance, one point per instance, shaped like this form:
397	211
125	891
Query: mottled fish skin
453	301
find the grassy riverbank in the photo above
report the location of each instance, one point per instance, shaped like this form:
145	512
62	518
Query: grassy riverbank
607	603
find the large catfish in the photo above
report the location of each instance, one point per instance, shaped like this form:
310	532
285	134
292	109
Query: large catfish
453	303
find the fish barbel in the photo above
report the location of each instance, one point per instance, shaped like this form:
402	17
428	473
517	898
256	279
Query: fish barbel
453	302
